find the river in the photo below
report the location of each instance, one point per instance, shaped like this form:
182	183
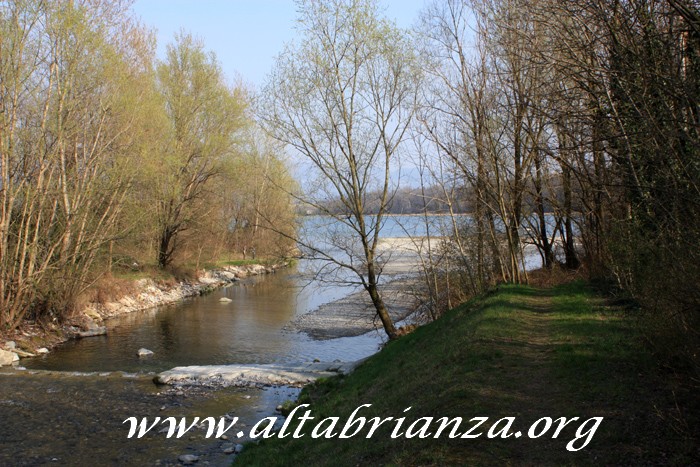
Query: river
204	331
68	407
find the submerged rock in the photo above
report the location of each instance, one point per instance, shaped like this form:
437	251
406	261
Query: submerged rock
98	331
143	352
188	459
225	300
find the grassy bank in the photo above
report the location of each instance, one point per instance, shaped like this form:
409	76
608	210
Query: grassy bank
518	352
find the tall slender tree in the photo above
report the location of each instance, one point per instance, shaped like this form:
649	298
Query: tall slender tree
341	100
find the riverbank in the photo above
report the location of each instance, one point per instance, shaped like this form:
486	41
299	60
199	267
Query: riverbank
32	339
354	314
518	352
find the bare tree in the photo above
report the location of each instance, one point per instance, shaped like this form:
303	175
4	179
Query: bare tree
341	100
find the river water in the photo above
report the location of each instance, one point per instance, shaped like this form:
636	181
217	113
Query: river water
68	407
204	331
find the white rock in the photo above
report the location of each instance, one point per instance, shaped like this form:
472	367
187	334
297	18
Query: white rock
225	300
144	352
42	350
254	375
9	345
7	358
23	354
96	331
228	448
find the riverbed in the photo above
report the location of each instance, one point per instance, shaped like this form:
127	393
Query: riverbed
69	419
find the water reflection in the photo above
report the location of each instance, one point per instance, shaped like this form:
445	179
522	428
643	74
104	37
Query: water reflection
204	331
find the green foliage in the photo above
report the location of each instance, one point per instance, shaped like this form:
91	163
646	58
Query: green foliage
68	133
204	117
105	153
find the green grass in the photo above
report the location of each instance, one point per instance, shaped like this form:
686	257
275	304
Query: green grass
519	352
145	273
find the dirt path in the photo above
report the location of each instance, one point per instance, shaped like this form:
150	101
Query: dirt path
526	386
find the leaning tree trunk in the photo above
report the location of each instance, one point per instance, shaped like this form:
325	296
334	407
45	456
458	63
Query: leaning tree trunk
378	302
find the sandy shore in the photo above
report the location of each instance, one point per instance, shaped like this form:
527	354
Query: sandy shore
354	314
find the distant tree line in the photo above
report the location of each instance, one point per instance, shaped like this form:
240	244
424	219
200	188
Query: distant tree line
431	199
111	158
408	200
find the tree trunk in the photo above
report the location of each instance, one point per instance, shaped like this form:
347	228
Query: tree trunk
544	243
572	261
380	307
164	249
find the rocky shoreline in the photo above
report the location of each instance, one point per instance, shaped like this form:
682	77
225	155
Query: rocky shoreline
32	340
151	294
255	376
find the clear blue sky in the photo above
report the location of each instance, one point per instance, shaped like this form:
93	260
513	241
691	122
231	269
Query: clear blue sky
246	35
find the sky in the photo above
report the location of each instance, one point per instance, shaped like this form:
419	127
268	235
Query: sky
245	35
